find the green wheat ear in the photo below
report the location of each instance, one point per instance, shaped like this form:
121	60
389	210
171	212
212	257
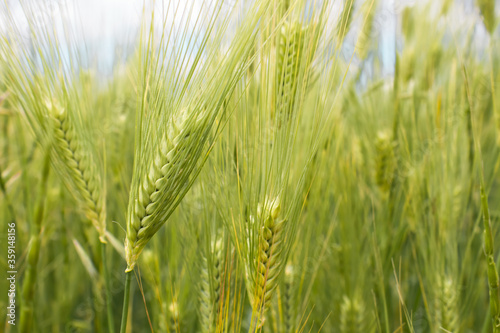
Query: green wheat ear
76	160
447	304
210	291
270	257
289	54
160	184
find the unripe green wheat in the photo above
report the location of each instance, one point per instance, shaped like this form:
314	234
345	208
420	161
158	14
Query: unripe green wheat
210	293
77	162
269	263
206	310
447	309
290	50
156	189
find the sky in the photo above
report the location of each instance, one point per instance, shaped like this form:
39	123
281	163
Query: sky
108	27
108	23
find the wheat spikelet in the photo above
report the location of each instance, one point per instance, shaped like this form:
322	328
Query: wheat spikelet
210	293
269	263
205	298
290	49
157	187
77	162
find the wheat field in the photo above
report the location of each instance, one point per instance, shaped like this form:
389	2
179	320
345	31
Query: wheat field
250	166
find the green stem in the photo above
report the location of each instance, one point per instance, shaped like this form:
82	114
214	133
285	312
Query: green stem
111	322
126	298
28	287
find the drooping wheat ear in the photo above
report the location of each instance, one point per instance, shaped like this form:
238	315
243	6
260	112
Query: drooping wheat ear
210	293
288	300
384	161
487	8
352	315
158	186
77	162
290	52
447	309
269	263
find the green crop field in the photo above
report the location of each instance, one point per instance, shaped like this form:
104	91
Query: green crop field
250	166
